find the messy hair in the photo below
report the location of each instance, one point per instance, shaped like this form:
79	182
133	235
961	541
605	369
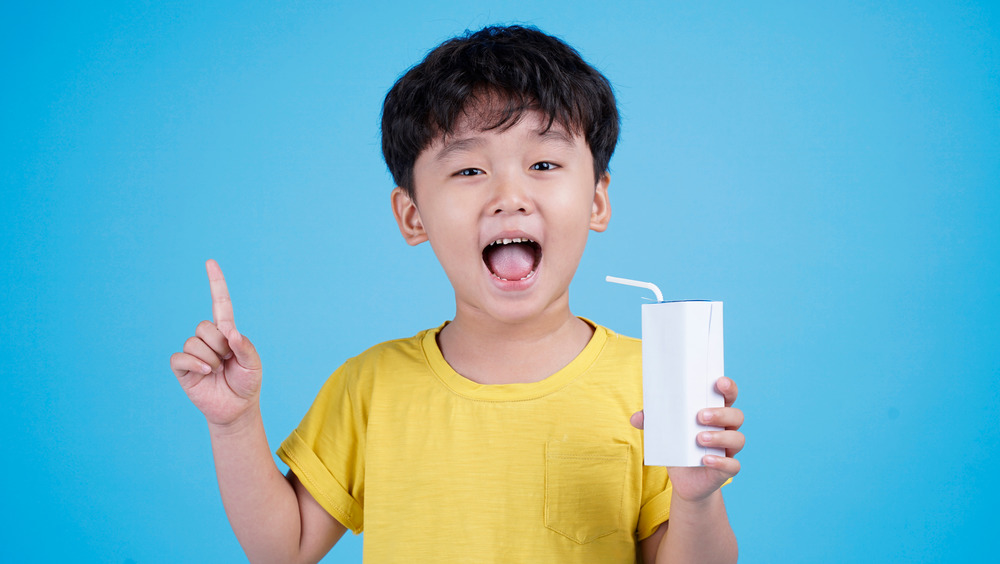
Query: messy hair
493	76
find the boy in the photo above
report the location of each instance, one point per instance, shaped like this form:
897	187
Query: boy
502	435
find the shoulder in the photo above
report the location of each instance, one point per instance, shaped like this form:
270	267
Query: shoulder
617	366
618	345
384	359
409	348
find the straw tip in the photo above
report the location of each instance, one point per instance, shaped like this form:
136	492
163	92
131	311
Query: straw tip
629	282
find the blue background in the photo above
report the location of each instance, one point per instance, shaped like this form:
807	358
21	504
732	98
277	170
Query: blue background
829	170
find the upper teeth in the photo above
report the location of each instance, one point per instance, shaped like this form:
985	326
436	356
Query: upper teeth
509	241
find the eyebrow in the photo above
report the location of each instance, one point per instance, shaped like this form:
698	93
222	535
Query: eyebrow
458	145
558	135
555	135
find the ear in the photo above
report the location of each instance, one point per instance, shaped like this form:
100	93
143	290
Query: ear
601	214
407	217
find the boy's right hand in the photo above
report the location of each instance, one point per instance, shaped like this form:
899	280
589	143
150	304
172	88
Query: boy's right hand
219	369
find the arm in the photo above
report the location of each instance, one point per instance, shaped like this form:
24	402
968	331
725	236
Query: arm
274	517
698	529
697	532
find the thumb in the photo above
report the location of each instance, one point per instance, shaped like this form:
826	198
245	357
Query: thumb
637	420
244	351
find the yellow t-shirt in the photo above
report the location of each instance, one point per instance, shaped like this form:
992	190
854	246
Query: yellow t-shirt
434	467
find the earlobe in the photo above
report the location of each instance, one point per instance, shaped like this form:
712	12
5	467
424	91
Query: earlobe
407	217
601	214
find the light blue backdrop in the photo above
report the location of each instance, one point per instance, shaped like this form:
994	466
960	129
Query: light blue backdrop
829	170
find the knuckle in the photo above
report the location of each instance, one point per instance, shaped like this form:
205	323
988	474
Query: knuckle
204	328
191	344
221	346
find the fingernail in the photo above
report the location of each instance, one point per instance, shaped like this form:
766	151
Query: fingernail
710	460
206	369
707	416
705	438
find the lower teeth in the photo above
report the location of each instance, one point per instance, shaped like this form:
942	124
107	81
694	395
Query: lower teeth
530	274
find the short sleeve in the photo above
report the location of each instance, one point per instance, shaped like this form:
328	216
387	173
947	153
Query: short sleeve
326	451
655	508
656	492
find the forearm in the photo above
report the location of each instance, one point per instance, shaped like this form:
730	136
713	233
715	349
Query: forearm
260	502
698	532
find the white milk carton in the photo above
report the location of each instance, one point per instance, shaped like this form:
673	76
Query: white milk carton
681	361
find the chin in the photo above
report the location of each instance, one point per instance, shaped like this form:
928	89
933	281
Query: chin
525	309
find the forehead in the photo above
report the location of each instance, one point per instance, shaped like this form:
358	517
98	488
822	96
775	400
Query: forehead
473	130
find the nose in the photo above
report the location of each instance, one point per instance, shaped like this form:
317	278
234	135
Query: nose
510	195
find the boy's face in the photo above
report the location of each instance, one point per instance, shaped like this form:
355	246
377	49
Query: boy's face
475	188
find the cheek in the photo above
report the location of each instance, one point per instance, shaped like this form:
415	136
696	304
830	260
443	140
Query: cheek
570	236
572	210
450	234
576	193
574	225
450	259
441	219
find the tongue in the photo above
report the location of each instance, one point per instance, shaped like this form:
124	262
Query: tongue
512	262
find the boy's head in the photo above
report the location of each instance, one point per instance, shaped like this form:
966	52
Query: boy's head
492	77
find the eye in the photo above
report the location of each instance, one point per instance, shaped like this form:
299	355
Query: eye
544	165
469	172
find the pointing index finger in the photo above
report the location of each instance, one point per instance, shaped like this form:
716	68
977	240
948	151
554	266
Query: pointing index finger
222	306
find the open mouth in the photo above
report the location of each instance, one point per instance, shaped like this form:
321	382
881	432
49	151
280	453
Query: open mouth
512	259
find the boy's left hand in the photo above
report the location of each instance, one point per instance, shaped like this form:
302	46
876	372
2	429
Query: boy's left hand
697	483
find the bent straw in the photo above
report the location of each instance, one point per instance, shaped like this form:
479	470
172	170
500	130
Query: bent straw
637	284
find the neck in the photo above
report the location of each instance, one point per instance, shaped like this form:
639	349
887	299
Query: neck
490	351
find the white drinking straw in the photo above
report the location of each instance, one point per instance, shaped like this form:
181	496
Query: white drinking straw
638	284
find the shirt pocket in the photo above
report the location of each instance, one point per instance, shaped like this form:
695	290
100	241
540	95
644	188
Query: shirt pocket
584	489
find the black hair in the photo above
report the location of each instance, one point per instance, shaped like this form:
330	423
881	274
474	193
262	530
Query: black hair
500	72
